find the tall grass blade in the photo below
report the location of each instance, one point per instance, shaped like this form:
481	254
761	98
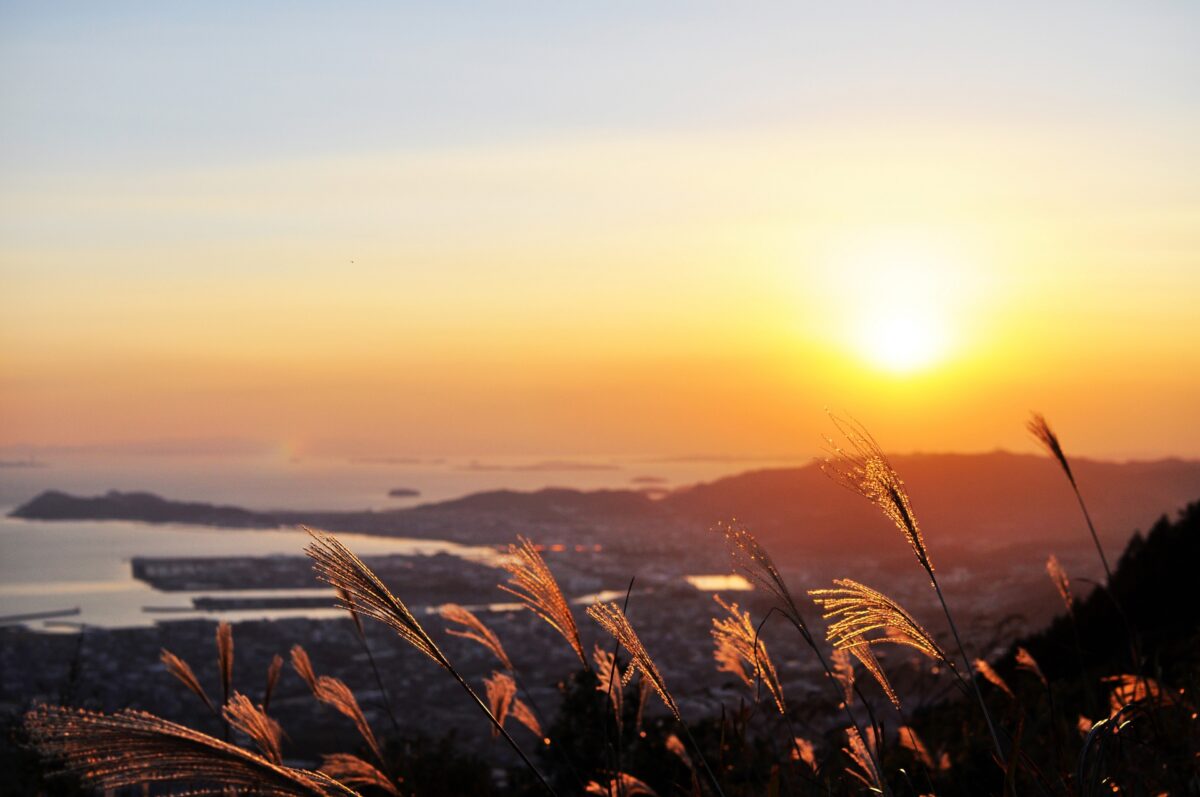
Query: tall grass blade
131	748
534	585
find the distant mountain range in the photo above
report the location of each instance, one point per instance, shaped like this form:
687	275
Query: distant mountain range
966	502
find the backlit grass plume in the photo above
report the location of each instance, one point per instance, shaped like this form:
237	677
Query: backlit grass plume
273	670
473	628
863	617
738	649
863	468
535	586
1025	661
608	678
504	703
804	750
362	592
183	672
522	713
1041	431
863	754
242	715
1058	575
131	748
993	677
752	561
623	785
612	619
909	740
843	672
334	692
353	771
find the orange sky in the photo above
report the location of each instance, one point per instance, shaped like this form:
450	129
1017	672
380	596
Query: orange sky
645	285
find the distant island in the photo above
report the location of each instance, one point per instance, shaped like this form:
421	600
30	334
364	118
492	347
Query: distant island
21	463
403	492
146	507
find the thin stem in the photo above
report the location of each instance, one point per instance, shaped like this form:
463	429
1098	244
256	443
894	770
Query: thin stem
618	715
838	696
387	700
967	661
558	749
703	761
512	743
1092	528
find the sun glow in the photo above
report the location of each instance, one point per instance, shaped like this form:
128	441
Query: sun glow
906	293
902	341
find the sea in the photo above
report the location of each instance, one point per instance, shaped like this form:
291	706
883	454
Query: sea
79	571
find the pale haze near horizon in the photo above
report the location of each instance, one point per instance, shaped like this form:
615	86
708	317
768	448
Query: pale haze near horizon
537	229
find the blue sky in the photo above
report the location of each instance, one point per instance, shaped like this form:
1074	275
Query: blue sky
139	85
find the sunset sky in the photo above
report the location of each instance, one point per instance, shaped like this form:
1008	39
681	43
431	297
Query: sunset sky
544	228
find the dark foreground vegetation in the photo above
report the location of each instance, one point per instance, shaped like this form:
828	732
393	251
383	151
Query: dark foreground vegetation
1103	701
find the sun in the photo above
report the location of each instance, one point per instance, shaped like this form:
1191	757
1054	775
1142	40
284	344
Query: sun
901	297
902	342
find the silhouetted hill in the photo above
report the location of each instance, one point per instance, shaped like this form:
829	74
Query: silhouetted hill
971	502
552	502
1153	584
969	505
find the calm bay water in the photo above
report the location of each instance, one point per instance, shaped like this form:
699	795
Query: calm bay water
50	566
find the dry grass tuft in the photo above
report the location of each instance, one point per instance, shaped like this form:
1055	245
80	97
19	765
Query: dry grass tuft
225	656
273	671
353	771
504	703
738	650
624	784
303	667
843	673
535	586
181	670
523	714
1025	661
752	561
501	692
909	740
993	677
613	620
676	748
803	750
265	732
863	468
609	679
1127	689
131	748
474	629
1061	583
1041	431
334	692
863	755
362	592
